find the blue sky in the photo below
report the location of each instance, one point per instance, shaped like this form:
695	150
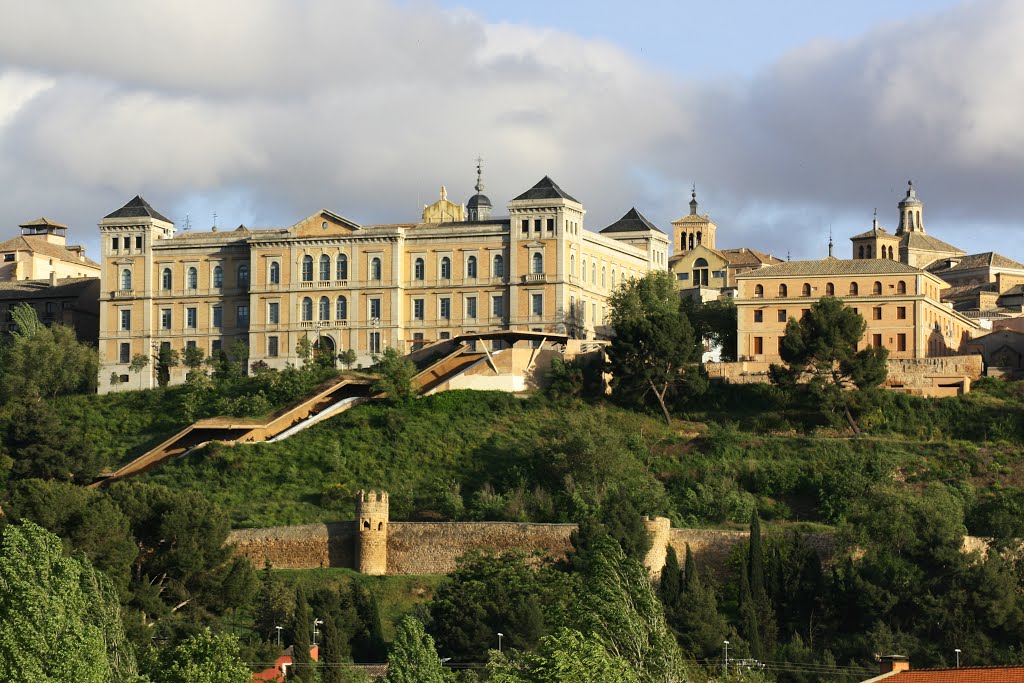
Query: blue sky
792	117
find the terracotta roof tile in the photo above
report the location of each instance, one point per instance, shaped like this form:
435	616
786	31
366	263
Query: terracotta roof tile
972	674
834	266
39	245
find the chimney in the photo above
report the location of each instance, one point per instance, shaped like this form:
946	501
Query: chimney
893	664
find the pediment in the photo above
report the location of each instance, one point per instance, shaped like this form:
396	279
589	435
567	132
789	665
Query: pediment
323	223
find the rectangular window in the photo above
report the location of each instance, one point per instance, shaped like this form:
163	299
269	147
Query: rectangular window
804	312
191	318
445	304
417	341
242	314
218	316
471	307
682	276
417	309
551	225
190	344
593	312
758	316
876	313
127	242
138	242
876	341
526	226
375	309
446	335
901	312
215	346
115	243
273	313
497	306
272	347
901	342
758	346
125	352
165	319
126	319
537	304
782	315
375	342
536	225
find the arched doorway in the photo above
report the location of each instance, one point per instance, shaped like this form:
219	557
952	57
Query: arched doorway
325	352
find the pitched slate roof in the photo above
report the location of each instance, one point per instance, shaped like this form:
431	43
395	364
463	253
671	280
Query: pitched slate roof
632	221
138	208
988	259
915	240
748	257
833	266
545	189
873	232
39	245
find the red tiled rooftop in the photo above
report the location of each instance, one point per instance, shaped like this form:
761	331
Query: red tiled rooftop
967	674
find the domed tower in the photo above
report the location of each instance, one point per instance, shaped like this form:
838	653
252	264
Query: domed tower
478	208
372	532
910	212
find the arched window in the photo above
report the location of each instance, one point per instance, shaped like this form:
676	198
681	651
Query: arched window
126	279
307	268
877	288
498	266
867	251
192	278
275	273
325	267
890	253
325	308
853	289
166	279
603	276
572	265
901	287
860	251
243	276
342	309
446	268
417	269
218	277
471	266
613	278
700	272
758	291
593	273
783	291
307	309
806	289
375	273
830	289
698	239
583	272
341	269
538	263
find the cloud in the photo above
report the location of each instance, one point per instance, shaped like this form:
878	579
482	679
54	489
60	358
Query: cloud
274	109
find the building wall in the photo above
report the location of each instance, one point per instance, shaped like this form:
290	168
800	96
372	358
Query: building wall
912	324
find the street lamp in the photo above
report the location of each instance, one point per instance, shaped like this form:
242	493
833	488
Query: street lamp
279	629
500	636
726	665
957	651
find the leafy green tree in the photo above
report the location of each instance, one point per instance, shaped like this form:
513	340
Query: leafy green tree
368	640
413	658
43	446
714	322
395	373
59	618
274	604
653	341
564	379
623	522
139	362
304	350
823	345
347	358
205	657
566	655
192	357
166	360
44	362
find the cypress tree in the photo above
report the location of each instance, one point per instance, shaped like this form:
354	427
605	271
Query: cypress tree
749	626
701	628
670	587
755	559
301	637
332	652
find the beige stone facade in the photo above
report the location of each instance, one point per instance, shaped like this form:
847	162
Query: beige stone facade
899	303
42	252
347	286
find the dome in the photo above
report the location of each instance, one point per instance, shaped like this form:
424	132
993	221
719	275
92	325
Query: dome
478	200
911	198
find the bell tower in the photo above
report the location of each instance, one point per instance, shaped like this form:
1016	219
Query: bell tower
693	230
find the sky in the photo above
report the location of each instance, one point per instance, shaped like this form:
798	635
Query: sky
793	118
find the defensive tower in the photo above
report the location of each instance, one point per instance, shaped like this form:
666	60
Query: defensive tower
372	532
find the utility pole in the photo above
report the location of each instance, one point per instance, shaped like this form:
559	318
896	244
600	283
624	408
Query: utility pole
725	667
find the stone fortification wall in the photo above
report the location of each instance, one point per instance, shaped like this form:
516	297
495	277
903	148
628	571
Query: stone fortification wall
298	547
904	372
711	547
434	547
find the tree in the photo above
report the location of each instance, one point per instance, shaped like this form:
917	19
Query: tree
413	658
304	350
42	446
823	344
653	341
204	657
347	358
713	322
192	357
566	655
300	631
59	618
699	627
395	373
44	362
139	362
166	359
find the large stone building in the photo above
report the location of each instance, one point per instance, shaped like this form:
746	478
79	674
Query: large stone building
42	251
700	270
347	286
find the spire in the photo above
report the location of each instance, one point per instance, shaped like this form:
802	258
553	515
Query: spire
479	175
874	221
693	200
830	241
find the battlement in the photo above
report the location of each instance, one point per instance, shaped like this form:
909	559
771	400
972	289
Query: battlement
372	531
372	503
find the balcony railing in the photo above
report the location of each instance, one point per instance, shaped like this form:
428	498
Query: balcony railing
533	278
122	293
